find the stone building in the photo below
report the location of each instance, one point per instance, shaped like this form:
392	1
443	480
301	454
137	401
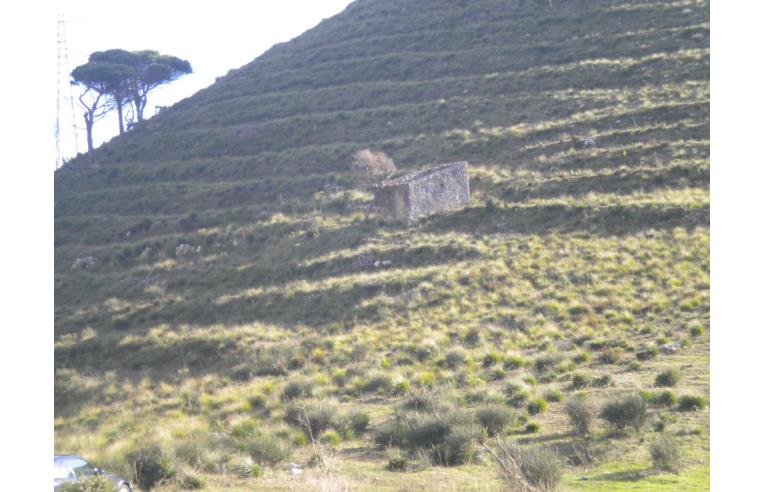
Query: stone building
423	193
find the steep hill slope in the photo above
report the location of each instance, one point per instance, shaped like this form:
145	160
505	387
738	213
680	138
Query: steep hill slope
231	256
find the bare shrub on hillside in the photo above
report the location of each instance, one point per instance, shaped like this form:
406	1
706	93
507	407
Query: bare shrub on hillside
370	167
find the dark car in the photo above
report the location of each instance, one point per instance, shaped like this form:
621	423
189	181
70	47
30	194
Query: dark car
70	468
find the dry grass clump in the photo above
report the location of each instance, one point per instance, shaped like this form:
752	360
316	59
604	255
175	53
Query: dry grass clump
581	413
527	469
666	454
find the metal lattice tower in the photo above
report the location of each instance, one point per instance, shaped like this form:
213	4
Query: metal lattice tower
65	94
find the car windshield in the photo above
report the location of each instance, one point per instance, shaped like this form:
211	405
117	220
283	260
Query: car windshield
60	471
80	467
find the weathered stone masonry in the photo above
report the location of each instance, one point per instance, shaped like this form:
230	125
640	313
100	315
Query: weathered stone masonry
416	195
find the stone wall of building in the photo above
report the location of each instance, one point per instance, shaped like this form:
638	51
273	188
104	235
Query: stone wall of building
423	193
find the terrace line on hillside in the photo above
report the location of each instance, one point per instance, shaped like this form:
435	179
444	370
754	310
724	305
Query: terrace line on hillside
416	195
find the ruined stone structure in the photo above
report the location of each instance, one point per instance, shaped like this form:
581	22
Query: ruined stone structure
423	193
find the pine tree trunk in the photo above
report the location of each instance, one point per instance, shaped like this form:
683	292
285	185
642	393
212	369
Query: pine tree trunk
119	115
140	103
89	128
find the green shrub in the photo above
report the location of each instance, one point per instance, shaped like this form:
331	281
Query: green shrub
402	387
626	411
688	403
491	359
94	484
547	362
274	360
532	427
299	388
663	421
538	405
611	355
340	377
531	380
267	449
427	431
359	421
669	377
312	417
393	431
514	362
582	358
666	454
257	402
495	418
581	414
696	330
602	381
483	395
379	382
516	395
150	466
244	428
318	459
193	450
421	400
472	337
423	352
554	395
581	380
330	436
449	437
456	358
257	470
497	374
647	353
397	464
598	344
192	482
458	448
663	399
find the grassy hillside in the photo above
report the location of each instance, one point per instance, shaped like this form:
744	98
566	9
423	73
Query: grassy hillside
231	285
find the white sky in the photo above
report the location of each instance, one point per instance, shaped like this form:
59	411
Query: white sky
214	36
